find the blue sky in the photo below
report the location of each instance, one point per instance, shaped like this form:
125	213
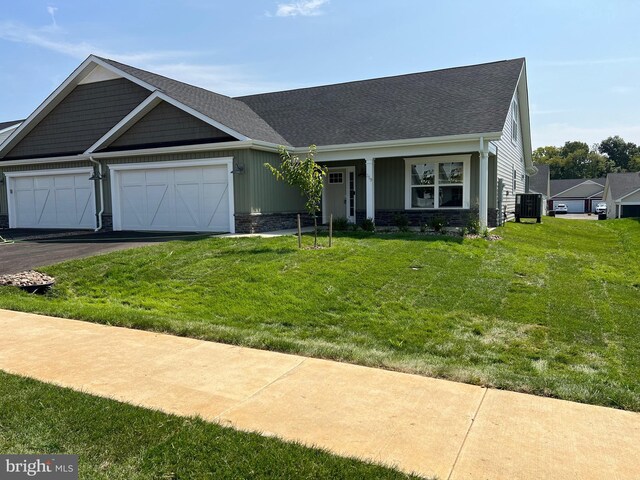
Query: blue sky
583	57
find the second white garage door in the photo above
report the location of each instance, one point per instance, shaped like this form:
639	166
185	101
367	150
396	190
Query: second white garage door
574	206
186	199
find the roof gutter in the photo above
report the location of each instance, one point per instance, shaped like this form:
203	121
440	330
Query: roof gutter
255	144
406	142
135	153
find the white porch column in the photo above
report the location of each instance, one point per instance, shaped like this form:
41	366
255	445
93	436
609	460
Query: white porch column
370	190
483	190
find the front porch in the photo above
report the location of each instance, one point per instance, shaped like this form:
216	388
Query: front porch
418	187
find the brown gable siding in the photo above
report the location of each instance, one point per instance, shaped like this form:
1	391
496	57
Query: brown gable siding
168	125
80	119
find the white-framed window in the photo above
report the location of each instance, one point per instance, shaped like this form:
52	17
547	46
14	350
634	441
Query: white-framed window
437	182
335	177
515	178
515	116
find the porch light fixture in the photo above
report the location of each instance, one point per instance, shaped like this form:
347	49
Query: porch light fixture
96	176
237	169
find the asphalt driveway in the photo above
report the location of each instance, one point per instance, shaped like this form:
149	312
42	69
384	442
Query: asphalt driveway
30	249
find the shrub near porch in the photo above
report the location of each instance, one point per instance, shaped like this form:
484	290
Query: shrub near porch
552	309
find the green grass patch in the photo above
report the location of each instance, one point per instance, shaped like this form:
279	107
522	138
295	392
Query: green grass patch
118	441
552	309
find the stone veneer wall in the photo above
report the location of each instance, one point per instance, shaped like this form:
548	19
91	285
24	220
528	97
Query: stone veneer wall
268	222
258	223
107	222
455	218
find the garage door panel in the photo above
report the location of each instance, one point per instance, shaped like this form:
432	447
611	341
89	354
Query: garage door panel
158	204
156	177
26	200
191	175
55	200
83	200
175	199
63	198
574	206
630	211
214	175
133	178
64	181
23	183
45	205
133	205
218	217
188	205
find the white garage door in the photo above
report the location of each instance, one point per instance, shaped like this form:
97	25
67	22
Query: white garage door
574	206
185	199
51	200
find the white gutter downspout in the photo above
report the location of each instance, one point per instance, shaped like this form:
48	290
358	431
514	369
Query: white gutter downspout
101	180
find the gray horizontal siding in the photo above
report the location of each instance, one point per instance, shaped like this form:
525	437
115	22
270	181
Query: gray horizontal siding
510	156
166	124
80	119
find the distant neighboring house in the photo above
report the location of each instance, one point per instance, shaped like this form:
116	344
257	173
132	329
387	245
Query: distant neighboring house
578	194
118	147
622	195
539	182
7	128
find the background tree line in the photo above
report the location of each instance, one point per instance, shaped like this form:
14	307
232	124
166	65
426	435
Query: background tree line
578	160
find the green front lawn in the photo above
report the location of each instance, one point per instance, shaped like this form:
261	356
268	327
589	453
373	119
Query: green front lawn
552	309
118	441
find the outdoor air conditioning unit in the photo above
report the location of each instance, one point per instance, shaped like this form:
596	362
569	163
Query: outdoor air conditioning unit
528	205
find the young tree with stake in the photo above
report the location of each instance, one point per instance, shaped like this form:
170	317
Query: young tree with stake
306	175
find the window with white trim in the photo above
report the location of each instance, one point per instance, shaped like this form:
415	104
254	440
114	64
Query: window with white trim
436	184
515	179
514	120
335	177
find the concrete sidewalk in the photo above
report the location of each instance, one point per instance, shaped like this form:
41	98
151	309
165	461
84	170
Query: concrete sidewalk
429	426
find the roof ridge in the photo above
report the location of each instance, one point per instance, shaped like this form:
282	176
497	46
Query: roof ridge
387	77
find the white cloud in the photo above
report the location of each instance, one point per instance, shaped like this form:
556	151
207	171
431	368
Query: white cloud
52	12
305	8
54	41
233	80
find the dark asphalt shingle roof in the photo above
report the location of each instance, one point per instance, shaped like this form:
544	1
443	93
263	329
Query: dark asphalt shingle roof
622	184
558	186
229	112
4	125
539	182
454	101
